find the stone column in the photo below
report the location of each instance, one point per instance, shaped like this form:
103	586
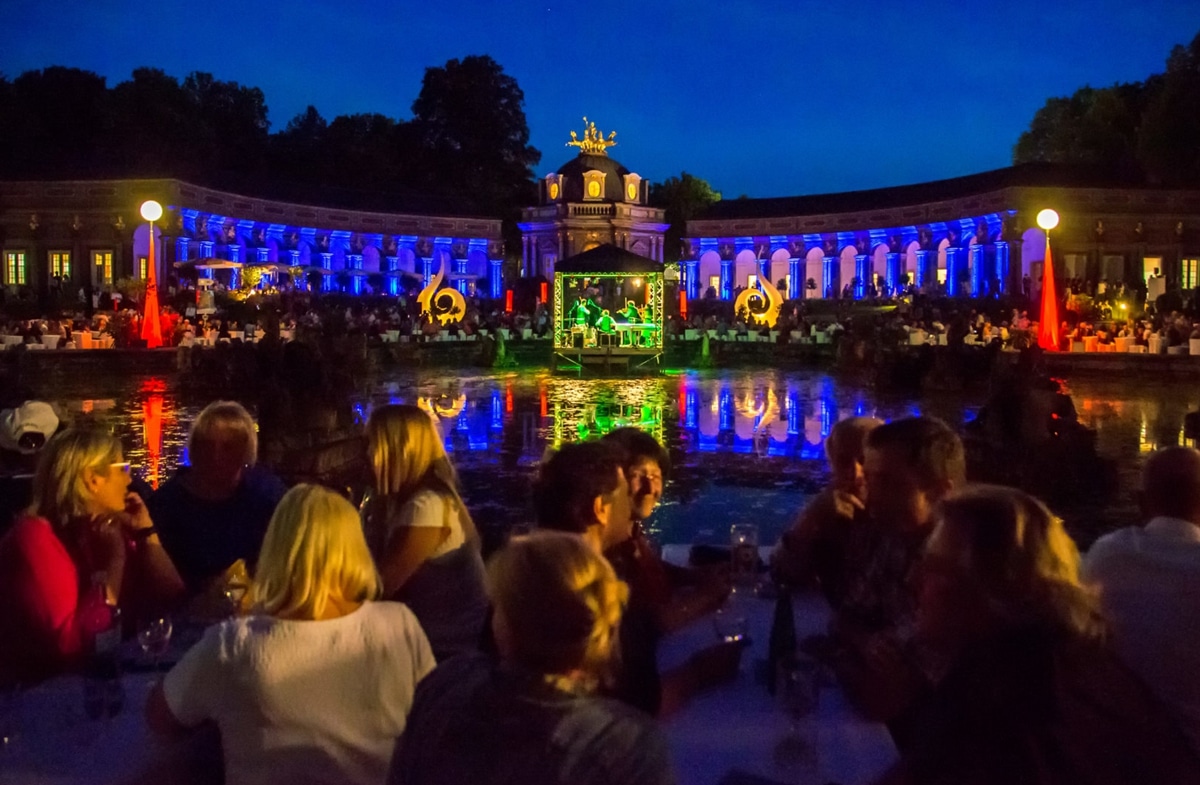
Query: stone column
726	279
895	271
1002	269
694	282
925	277
953	288
327	281
795	280
979	276
497	278
829	279
862	271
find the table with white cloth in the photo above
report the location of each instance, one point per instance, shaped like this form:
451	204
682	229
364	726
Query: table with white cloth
735	727
53	742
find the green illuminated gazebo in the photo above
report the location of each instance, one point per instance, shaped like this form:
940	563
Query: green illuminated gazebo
608	307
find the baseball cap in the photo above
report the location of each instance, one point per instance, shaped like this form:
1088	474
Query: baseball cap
26	428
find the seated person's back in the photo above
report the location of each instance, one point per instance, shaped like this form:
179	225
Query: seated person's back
315	687
534	717
1149	583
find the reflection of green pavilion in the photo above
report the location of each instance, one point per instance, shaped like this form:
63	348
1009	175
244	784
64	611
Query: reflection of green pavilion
608	308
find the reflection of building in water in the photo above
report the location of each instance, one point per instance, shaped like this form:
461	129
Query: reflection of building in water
764	421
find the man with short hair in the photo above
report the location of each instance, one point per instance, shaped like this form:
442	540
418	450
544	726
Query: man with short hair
1149	582
909	465
582	489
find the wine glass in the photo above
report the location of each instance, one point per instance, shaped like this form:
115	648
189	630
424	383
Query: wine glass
798	696
155	638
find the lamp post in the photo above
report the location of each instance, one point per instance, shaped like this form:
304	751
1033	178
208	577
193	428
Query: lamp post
1048	337
151	329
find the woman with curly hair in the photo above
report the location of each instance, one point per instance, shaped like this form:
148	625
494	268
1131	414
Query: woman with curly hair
1030	693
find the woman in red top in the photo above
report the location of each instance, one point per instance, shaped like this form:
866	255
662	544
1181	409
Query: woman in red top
83	520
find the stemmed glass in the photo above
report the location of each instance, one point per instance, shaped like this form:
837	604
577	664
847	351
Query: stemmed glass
798	696
155	638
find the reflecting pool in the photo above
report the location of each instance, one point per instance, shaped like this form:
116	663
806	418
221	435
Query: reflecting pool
748	446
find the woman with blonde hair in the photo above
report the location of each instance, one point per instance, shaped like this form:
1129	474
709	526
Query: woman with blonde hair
315	685
1031	693
420	531
534	716
83	525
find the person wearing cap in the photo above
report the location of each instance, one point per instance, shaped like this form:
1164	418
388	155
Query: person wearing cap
24	430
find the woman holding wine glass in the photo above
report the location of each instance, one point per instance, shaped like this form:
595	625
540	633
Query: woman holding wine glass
83	527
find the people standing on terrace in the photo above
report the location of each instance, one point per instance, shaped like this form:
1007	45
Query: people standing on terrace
1148	578
534	716
420	531
215	510
83	524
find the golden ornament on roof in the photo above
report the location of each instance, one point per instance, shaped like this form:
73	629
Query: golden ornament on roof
593	141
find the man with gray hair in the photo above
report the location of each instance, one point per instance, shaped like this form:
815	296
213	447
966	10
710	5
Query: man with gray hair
1149	583
216	510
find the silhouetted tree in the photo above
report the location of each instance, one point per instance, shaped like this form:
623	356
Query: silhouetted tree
1141	131
469	123
683	197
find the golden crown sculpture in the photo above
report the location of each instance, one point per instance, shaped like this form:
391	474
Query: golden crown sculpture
593	141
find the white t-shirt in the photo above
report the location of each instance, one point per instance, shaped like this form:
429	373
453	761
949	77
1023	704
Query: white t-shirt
1149	581
302	702
428	510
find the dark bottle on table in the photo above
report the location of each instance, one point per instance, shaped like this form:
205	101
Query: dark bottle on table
100	625
781	646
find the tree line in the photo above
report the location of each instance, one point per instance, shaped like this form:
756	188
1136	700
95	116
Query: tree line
466	143
1141	132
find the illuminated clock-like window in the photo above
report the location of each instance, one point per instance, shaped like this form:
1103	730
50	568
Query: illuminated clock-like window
553	191
631	191
594	189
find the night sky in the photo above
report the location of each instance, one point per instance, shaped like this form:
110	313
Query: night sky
762	97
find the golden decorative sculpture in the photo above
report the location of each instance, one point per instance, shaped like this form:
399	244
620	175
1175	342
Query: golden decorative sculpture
593	141
760	309
434	303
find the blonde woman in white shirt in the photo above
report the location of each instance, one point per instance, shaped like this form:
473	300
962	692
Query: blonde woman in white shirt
316	684
420	531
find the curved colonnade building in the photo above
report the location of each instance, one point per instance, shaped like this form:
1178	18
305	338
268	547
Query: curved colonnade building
973	235
89	233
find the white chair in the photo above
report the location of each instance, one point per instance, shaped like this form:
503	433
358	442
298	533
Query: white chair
1078	346
1157	345
1194	346
1123	345
51	341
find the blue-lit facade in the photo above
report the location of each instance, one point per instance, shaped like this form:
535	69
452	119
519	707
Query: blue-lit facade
225	235
971	236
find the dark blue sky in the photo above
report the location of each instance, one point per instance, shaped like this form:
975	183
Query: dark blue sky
762	97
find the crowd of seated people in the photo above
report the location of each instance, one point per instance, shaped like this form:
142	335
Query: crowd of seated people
374	646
